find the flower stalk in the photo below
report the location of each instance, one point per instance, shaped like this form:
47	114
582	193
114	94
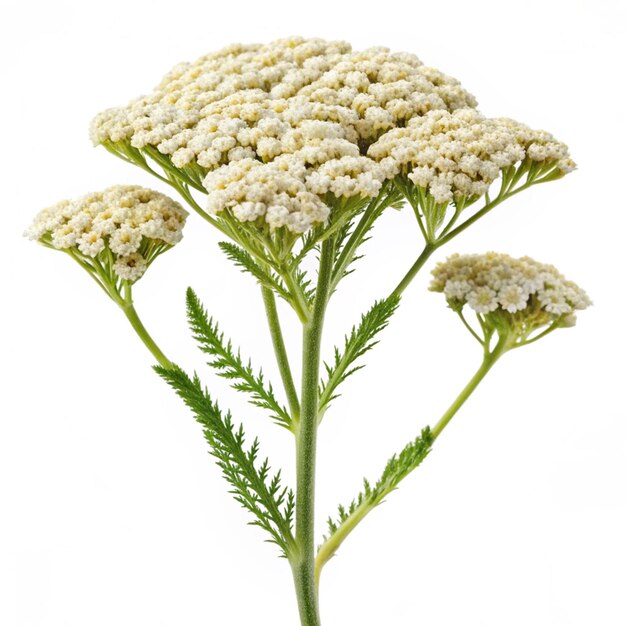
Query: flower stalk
280	350
489	360
131	315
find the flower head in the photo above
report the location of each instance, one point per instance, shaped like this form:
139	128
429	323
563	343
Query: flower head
459	154
122	228
514	296
294	117
280	134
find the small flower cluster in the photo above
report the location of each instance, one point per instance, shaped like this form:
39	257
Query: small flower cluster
274	192
313	106
127	226
520	291
460	154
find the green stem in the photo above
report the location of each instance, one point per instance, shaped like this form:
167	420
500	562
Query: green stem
328	549
448	234
458	209
429	248
303	562
140	329
489	360
191	201
281	353
371	213
332	544
300	305
472	331
547	331
445	237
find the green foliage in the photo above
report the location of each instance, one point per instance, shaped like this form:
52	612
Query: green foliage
244	260
303	283
343	213
291	284
191	175
263	495
356	344
398	467
229	363
351	236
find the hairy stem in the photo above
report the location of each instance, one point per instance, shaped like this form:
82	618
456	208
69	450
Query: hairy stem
281	353
328	549
303	563
300	305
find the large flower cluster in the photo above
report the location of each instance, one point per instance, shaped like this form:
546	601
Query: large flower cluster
127	226
308	108
518	289
310	117
460	154
242	94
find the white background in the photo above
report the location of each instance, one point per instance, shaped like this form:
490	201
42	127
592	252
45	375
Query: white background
112	512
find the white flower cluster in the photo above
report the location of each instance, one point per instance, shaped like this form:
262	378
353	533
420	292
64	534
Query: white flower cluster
127	224
459	154
307	108
523	288
273	191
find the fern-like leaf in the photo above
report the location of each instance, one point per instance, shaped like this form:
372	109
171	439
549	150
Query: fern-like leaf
398	467
356	344
353	235
244	260
304	285
263	495
229	363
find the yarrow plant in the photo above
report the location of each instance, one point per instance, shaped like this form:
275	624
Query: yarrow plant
292	151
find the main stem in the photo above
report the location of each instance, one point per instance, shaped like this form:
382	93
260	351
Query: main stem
303	562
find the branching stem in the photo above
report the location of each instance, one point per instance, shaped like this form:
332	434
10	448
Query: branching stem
504	195
332	544
429	248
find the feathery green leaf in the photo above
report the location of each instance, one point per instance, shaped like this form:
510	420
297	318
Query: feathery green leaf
304	285
244	260
229	363
356	344
352	235
262	495
398	467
